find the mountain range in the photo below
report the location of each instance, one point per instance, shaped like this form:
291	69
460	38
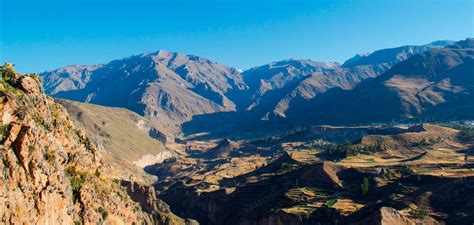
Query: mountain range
170	87
437	84
189	94
175	139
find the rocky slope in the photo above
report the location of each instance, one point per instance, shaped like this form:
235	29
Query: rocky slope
278	86
437	84
124	138
282	91
52	174
392	56
168	87
174	88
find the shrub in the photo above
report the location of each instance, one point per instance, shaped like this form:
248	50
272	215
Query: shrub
21	111
77	179
466	133
6	72
49	156
342	151
419	213
330	203
103	213
36	77
31	149
365	186
4	129
285	167
10	89
38	120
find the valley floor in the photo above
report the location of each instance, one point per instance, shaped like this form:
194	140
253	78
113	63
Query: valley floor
420	174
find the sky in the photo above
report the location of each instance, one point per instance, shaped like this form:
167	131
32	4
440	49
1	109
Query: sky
40	35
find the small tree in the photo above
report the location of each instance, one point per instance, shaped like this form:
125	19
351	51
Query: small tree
365	186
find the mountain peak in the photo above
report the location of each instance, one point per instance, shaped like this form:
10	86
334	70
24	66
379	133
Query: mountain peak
391	56
166	85
468	43
164	54
177	58
442	43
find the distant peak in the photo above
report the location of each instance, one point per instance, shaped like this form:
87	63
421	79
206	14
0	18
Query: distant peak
298	63
168	55
393	55
164	54
442	43
77	67
468	43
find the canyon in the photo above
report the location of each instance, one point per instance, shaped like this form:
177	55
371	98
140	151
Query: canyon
168	138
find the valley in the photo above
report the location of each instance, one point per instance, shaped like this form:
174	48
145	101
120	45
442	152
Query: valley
169	138
237	112
282	181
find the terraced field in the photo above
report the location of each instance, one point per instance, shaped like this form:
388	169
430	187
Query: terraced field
295	181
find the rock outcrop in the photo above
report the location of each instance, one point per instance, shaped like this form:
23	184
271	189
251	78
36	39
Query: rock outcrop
51	173
222	150
389	216
146	196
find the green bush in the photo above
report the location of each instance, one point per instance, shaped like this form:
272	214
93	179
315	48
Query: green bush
103	213
427	143
285	167
10	89
7	72
419	213
342	151
36	77
4	129
466	133
330	203
77	179
365	186
49	156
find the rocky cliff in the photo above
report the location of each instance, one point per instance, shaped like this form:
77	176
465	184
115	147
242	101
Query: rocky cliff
50	172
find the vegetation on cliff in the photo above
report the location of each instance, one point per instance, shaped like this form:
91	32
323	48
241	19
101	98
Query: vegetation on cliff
51	173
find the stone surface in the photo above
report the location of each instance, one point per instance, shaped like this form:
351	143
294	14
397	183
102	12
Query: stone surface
50	171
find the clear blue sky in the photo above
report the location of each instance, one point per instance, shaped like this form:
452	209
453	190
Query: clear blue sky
43	35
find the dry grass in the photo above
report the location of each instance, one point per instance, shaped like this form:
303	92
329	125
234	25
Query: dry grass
118	135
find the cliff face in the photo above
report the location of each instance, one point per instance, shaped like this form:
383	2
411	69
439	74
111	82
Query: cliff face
50	172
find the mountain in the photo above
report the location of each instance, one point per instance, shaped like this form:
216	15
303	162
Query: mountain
65	161
68	78
392	56
269	84
168	87
278	86
191	94
52	174
436	85
287	86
